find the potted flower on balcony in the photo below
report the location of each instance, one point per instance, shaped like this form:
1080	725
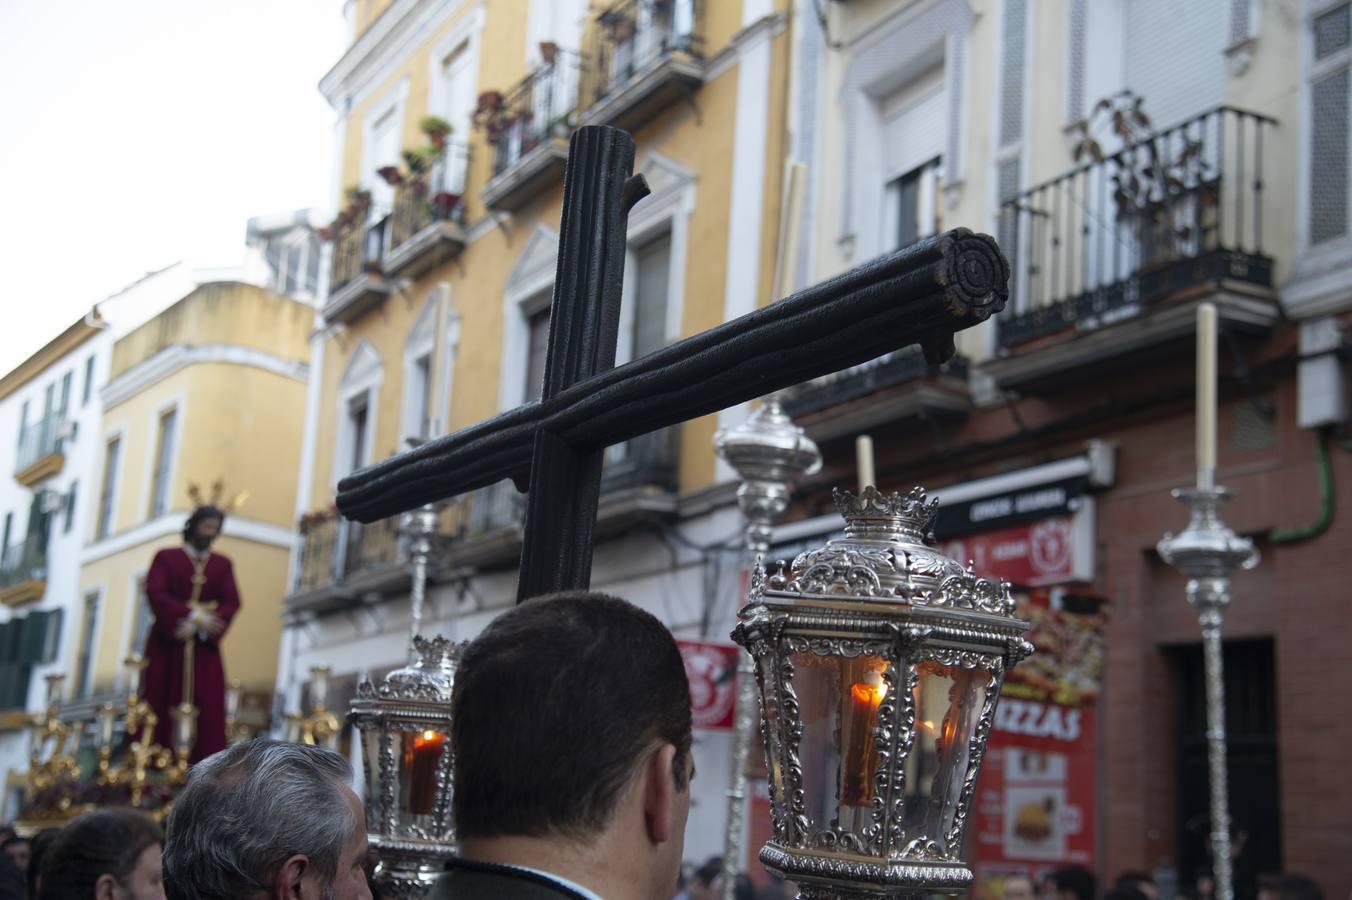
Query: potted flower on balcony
549	51
620	23
444	204
436	129
390	174
358	198
487	108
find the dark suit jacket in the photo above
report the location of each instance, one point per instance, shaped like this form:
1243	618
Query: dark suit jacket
466	880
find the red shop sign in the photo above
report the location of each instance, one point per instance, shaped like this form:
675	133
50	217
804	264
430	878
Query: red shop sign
1036	553
712	670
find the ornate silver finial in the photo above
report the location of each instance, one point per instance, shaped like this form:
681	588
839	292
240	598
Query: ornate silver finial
875	514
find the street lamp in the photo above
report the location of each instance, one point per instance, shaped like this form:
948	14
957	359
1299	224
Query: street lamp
767	451
405	726
879	663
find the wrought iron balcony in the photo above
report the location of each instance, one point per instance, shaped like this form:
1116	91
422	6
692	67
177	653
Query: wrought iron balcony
357	281
646	463
23	572
1177	213
642	56
894	386
40	453
426	224
335	550
529	129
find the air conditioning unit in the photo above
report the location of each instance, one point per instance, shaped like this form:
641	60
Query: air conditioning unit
67	430
51	501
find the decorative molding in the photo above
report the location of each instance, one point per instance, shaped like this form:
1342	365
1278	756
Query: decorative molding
171	523
1321	283
531	275
742	41
385	43
893	53
176	357
741	289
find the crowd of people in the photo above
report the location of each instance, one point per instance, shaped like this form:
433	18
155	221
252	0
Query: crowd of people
1076	883
572	728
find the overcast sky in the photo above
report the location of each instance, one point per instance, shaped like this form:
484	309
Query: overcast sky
137	133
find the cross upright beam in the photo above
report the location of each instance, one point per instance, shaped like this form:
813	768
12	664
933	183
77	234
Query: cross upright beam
922	295
584	324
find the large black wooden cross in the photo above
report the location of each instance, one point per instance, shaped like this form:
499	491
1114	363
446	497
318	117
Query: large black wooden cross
553	448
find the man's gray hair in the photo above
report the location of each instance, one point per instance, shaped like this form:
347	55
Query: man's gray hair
248	809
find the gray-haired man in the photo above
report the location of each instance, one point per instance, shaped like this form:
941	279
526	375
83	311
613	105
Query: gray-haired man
267	819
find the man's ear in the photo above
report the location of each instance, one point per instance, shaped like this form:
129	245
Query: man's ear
105	888
659	795
287	884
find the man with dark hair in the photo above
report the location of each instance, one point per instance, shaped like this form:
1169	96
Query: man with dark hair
112	853
193	596
1069	883
266	820
19	850
572	736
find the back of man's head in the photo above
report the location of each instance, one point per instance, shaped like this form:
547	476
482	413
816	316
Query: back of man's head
557	704
105	842
246	810
1073	883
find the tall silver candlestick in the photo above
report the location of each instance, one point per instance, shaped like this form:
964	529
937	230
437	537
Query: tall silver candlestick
767	451
419	525
1207	551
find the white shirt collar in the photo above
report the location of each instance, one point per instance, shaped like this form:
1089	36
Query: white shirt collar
559	879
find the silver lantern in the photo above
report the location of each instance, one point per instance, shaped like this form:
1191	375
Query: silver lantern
879	663
405	725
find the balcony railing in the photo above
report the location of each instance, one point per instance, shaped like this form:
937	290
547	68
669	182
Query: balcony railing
358	246
436	195
1179	209
647	461
334	550
888	370
538	108
632	37
23	564
41	439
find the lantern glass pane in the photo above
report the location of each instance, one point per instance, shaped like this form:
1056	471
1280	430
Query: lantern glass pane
371	745
765	671
838	701
948	705
419	754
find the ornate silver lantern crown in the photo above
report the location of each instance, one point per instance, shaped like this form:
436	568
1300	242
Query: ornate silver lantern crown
879	664
883	556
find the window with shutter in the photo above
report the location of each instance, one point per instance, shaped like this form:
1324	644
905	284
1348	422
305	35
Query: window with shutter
1328	158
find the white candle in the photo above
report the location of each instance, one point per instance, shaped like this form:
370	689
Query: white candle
863	453
1206	395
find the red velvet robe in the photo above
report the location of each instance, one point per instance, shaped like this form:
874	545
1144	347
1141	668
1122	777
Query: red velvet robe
169	587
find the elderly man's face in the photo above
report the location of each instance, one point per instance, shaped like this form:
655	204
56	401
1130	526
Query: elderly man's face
350	882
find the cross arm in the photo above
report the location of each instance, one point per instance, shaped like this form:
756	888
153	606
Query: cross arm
923	295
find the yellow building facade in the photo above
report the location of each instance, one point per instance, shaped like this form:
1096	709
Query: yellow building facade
441	268
206	399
